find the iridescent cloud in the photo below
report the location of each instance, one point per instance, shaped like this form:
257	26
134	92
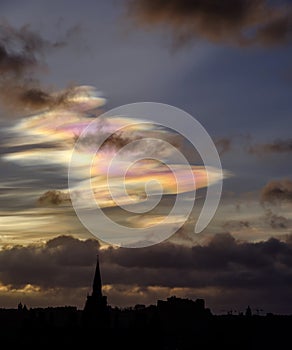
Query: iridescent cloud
131	181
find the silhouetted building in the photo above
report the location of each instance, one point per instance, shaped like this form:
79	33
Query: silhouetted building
96	309
181	313
248	312
175	323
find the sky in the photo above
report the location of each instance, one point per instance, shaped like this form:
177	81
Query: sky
228	64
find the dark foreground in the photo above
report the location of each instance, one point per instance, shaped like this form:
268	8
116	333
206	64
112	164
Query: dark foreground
256	333
176	324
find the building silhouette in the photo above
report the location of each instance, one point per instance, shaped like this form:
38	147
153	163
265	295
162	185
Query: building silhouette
248	312
96	309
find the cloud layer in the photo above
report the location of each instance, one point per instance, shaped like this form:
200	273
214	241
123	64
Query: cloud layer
224	267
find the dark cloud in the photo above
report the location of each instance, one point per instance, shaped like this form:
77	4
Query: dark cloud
276	221
117	140
34	97
127	137
236	225
223	145
19	50
61	262
240	22
114	141
277	191
27	96
223	271
54	197
21	59
277	146
279	29
224	262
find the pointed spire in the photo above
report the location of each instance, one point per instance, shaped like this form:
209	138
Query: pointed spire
96	288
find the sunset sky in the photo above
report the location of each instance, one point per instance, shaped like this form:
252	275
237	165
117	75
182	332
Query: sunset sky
228	64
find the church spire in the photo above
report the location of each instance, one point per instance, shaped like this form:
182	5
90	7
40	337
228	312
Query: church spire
95	309
96	288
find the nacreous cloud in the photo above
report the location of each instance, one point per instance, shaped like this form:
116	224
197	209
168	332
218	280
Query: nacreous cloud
60	127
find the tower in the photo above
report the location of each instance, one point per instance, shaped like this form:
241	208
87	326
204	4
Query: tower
96	311
97	286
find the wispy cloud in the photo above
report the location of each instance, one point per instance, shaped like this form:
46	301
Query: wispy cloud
274	147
